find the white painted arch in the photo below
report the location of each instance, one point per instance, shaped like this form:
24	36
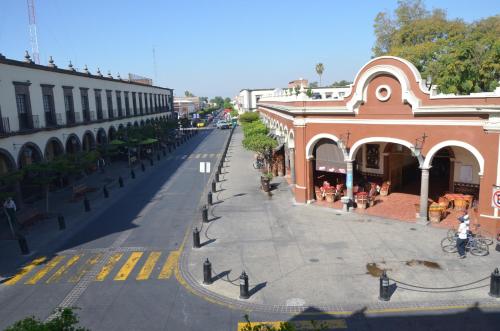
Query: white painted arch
291	139
355	147
312	142
457	143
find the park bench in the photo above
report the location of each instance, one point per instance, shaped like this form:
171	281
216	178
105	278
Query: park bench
79	190
28	216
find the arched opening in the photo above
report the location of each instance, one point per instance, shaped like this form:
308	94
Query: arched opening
73	145
101	137
88	141
454	179
400	167
7	163
29	154
7	183
142	122
136	124
328	170
53	149
111	133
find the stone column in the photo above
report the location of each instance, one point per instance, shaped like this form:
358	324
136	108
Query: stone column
348	183
292	164
424	196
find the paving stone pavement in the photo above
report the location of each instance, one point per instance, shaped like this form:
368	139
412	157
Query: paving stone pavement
299	256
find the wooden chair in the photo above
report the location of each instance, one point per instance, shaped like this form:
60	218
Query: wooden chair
384	190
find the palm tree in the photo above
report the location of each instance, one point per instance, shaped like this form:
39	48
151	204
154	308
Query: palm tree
319	70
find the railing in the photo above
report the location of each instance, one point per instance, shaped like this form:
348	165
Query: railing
100	114
59	119
92	116
50	119
4	125
70	117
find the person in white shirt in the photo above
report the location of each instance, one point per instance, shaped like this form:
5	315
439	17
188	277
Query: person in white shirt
463	230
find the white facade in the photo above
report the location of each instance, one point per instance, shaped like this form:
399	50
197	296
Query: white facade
247	99
34	100
185	108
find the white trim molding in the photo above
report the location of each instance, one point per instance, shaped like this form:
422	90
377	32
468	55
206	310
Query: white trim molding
379	95
470	148
354	149
316	138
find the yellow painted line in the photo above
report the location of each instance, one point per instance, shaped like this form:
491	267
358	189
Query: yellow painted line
299	325
128	266
113	260
62	270
169	266
148	266
25	270
42	272
85	268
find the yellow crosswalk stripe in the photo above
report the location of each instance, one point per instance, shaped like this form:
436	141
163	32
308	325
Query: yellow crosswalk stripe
25	270
148	266
62	270
300	325
113	260
85	268
48	267
128	266
169	265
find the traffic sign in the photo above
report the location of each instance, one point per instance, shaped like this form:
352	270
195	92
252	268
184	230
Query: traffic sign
495	197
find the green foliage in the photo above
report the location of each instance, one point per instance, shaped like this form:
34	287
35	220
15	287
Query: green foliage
320	68
253	128
341	83
259	143
219	101
66	320
313	84
188	94
249	117
283	326
462	58
309	92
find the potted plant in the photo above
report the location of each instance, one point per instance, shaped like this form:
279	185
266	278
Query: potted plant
265	181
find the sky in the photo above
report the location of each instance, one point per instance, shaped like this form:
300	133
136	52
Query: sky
210	48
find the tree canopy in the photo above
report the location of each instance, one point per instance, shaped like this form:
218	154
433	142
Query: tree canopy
461	57
188	94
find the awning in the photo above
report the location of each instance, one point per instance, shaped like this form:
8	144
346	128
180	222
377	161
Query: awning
329	158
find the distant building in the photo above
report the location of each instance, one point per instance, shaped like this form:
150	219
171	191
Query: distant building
298	82
184	107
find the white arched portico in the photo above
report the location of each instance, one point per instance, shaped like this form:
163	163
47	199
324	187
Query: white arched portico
355	147
316	138
457	143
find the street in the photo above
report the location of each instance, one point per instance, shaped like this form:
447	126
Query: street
121	270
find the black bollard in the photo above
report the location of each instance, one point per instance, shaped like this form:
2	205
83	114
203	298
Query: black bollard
214	186
132	174
143	168
209	198
217	177
86	204
120	181
61	222
204	214
196	238
164	152
158	156
151	161
244	294
23	244
105	191
495	284
207	272
384	287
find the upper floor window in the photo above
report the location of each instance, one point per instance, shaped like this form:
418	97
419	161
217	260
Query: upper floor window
127	104
119	102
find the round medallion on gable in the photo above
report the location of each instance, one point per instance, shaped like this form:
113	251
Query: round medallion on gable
383	92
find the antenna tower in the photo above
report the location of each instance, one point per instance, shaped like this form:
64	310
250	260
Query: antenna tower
154	66
32	30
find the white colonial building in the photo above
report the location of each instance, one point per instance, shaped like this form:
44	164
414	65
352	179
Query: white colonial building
46	111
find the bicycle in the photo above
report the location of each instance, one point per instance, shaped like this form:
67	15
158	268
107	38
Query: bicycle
475	246
452	234
258	163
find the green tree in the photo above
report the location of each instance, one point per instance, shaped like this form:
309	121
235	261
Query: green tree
66	320
461	57
341	83
313	84
219	101
188	94
320	68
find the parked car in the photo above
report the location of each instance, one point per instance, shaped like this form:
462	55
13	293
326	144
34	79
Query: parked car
221	124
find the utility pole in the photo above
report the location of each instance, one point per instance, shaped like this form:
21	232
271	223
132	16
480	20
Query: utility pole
32	30
154	66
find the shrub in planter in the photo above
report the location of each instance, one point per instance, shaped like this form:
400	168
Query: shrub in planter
265	181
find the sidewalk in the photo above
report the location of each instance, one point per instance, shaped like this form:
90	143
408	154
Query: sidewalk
297	256
44	234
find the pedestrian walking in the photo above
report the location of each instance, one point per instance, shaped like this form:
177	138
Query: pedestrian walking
9	207
463	230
